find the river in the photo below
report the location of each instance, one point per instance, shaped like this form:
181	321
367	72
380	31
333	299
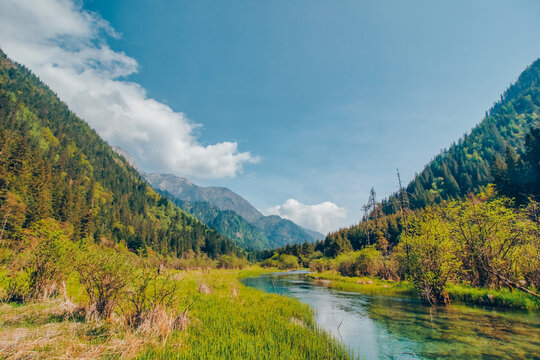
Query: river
378	327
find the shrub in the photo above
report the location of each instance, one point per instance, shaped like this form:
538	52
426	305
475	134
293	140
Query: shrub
529	264
427	256
282	262
231	262
489	236
39	270
148	293
319	265
268	263
366	262
288	262
104	274
390	268
17	287
484	244
344	263
192	263
47	266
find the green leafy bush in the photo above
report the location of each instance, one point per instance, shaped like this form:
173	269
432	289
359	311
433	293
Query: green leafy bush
428	255
231	262
47	266
366	262
104	273
319	265
270	263
17	287
38	265
282	262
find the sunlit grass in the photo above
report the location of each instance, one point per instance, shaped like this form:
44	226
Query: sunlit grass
226	320
238	322
364	285
503	297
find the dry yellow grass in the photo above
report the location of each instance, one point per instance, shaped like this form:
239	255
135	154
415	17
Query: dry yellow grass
55	329
205	289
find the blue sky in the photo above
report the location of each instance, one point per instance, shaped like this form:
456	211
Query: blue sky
322	99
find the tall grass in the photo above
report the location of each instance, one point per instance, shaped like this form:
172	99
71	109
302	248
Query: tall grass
226	321
237	322
503	297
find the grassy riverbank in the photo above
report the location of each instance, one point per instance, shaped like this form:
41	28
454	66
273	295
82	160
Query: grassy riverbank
503	298
363	285
220	318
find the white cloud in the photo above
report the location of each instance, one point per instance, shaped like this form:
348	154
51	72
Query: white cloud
66	47
322	217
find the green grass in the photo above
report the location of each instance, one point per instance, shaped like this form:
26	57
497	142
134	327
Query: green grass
364	285
256	270
238	322
498	298
503	298
226	321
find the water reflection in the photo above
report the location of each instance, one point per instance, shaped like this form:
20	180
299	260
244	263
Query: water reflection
377	327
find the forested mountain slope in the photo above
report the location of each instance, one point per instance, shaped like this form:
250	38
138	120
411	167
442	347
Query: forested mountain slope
283	231
53	165
466	166
269	232
227	223
230	214
225	199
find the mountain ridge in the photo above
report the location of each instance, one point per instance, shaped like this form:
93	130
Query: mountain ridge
222	197
278	231
227	223
465	166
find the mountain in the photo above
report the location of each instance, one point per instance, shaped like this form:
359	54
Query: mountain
314	234
227	223
282	231
490	153
127	156
54	166
225	199
466	165
265	232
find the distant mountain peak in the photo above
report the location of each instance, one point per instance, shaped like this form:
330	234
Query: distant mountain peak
199	200
277	231
223	198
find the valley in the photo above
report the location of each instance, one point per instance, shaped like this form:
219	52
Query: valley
108	249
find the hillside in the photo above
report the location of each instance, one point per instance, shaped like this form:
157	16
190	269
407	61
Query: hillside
269	232
314	234
466	165
282	231
227	223
223	198
230	214
53	165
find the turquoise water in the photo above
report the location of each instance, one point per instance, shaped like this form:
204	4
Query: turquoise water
377	327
